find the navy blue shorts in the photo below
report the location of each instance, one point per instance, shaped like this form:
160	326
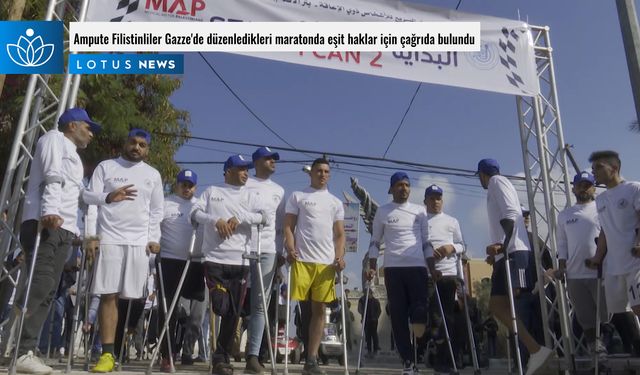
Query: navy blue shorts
519	275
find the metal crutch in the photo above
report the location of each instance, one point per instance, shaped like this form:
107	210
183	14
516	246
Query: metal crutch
446	329
23	310
256	258
76	313
364	320
286	327
472	340
147	324
344	324
512	306
174	301
124	334
598	286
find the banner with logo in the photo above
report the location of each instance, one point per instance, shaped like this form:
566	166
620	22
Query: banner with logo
351	225
504	64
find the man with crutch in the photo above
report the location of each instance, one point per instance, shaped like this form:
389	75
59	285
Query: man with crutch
129	231
444	244
177	231
270	195
227	213
509	239
315	240
618	249
402	227
49	224
577	227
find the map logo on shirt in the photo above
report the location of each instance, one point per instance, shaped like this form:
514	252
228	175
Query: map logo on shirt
393	220
217	199
120	179
572	221
622	203
309	203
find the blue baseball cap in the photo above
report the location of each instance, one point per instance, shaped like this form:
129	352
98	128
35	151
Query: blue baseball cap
584	176
136	132
398	176
237	161
264	152
187	175
488	167
78	114
432	190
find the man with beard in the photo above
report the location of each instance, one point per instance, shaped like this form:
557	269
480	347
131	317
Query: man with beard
174	251
270	195
402	227
618	243
577	227
227	213
129	232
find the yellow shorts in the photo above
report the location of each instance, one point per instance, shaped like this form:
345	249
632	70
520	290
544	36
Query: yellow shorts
313	280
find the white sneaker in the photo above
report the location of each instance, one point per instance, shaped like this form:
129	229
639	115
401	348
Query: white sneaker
538	360
408	369
30	364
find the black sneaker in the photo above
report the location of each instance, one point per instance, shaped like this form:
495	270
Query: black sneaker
253	366
186	360
312	368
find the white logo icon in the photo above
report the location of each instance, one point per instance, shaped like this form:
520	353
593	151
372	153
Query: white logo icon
30	52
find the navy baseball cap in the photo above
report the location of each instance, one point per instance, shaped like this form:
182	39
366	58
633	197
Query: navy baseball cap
488	166
433	189
136	132
398	176
237	161
187	175
264	152
584	176
78	114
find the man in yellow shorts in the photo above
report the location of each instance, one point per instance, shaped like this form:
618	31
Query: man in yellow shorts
314	241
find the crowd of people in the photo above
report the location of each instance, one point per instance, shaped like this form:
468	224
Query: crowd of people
144	251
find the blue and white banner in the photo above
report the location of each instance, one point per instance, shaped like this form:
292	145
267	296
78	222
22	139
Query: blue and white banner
31	47
505	63
126	63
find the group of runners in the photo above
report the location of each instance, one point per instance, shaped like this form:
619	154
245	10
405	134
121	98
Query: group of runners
248	229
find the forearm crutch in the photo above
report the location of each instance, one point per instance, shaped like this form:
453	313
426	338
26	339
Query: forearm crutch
364	321
76	310
23	310
598	322
146	326
256	258
472	340
446	329
176	297
344	324
124	334
512	308
286	327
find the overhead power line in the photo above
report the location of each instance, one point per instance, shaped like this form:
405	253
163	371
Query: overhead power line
402	121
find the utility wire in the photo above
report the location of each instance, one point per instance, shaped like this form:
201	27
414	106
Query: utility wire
243	103
402	121
458	6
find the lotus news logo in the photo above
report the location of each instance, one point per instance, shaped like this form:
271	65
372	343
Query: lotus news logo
31	47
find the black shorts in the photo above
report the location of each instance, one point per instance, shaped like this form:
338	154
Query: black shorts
519	275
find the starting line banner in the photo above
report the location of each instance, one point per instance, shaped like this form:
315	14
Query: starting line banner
504	64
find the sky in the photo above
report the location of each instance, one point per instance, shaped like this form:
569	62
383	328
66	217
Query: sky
341	112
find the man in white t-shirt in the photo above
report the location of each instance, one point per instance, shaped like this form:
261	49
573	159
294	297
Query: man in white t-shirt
619	215
227	214
270	196
129	231
314	240
402	227
506	226
176	231
577	227
444	245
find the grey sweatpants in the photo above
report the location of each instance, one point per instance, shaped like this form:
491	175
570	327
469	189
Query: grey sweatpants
582	293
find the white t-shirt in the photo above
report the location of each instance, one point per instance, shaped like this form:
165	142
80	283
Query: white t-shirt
270	195
618	212
443	229
176	228
317	211
224	202
577	228
403	230
55	181
131	222
503	203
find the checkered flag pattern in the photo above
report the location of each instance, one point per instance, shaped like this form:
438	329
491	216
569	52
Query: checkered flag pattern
130	5
507	45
